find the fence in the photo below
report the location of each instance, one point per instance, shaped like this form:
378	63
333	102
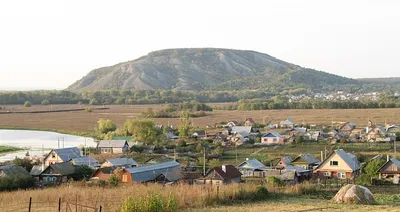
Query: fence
60	206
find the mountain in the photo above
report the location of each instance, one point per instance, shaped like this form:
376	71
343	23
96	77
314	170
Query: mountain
206	69
388	80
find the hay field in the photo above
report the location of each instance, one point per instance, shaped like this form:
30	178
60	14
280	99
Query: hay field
82	121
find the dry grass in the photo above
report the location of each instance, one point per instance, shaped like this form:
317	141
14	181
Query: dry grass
111	199
84	122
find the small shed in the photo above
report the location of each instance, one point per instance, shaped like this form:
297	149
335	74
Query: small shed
225	174
113	146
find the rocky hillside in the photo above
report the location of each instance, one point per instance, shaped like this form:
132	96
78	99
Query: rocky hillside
205	68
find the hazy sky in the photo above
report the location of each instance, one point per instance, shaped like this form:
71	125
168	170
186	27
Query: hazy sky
50	44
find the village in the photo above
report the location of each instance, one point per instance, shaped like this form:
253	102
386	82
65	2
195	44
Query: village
200	159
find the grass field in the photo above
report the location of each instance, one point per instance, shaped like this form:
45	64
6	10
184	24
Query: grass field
84	121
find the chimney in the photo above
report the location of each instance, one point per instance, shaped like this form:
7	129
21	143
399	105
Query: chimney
387	157
224	168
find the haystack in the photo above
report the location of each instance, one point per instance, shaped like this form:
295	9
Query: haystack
354	194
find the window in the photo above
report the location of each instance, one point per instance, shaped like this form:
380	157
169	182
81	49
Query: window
334	163
53	155
275	140
327	174
341	175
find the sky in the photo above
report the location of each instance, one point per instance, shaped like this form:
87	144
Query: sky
49	44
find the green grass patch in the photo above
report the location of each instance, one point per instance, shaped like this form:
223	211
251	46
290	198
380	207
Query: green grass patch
4	149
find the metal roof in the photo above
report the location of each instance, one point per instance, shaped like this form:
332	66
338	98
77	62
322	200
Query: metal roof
242	130
13	170
309	158
287	160
112	143
252	164
170	135
349	159
275	134
171	170
287	122
67	154
65	168
36	170
396	162
122	161
91	162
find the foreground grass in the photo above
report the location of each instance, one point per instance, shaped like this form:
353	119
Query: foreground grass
5	149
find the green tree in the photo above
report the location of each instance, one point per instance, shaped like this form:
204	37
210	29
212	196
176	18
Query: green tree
82	172
45	102
144	130
199	148
299	140
27	164
185	123
219	150
104	126
27	104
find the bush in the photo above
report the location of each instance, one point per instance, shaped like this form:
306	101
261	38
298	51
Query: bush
15	182
27	104
261	193
154	202
89	110
82	172
274	181
45	102
114	180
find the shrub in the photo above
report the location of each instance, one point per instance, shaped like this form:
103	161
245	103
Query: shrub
82	172
45	102
114	180
274	181
27	104
15	182
261	193
89	110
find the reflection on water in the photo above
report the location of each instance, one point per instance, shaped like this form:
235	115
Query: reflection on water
37	142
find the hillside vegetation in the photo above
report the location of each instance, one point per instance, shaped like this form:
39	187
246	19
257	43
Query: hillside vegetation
206	68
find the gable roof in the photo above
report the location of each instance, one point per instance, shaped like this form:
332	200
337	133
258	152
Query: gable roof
13	170
288	121
308	158
252	164
231	172
251	120
66	154
273	134
65	168
170	135
244	131
392	160
112	144
287	160
171	170
85	160
104	170
348	158
121	161
36	170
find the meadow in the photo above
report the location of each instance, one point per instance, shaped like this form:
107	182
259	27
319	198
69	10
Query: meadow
82	121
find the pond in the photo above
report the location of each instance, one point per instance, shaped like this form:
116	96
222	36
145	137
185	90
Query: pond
39	142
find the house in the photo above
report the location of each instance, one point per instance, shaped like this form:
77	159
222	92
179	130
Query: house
199	134
232	124
226	131
390	171
252	168
225	174
244	131
285	161
338	164
119	162
61	155
249	122
85	160
190	177
300	173
57	173
103	173
297	131
171	136
288	123
347	128
12	170
273	138
220	138
113	146
162	172
377	134
393	131
307	161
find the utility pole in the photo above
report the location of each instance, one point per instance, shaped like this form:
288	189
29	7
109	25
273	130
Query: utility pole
394	145
236	154
204	161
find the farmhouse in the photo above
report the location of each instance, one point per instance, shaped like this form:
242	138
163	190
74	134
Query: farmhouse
113	146
225	174
57	173
119	162
273	138
338	164
288	123
161	172
377	134
249	122
61	155
347	128
252	168
390	171
102	173
285	161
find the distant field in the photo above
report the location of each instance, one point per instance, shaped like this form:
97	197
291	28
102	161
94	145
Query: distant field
84	122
